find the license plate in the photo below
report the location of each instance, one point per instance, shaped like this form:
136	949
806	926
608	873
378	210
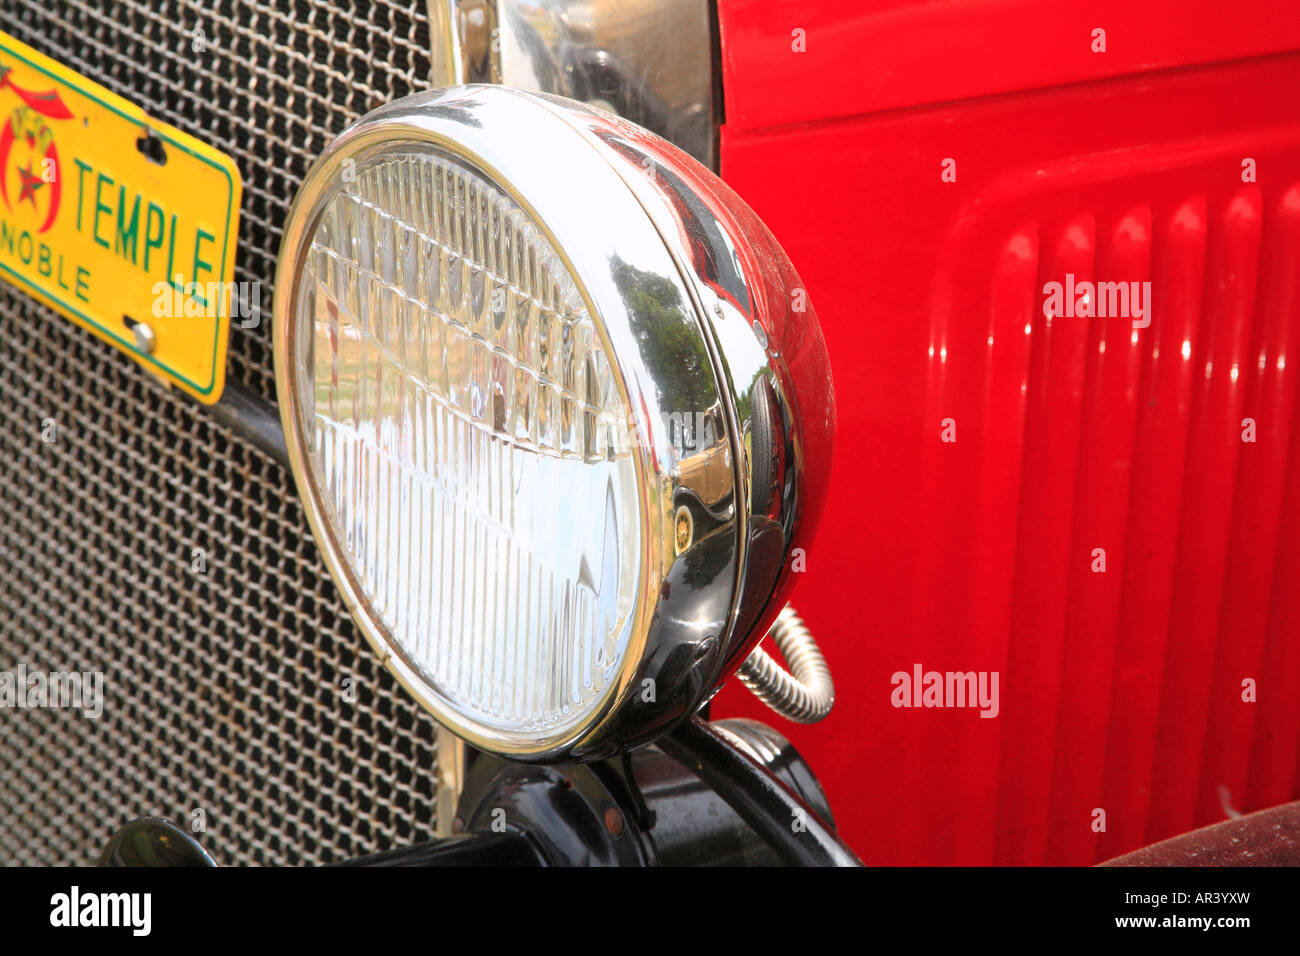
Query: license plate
126	225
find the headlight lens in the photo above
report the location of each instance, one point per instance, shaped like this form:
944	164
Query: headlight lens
466	438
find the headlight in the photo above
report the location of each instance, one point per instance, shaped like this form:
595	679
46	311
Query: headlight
514	339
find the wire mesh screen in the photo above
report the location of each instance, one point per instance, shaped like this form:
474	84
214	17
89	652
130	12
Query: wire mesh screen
148	543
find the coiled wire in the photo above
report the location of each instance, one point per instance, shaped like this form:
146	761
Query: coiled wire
805	693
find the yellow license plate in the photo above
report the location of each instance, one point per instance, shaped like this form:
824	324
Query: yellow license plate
126	225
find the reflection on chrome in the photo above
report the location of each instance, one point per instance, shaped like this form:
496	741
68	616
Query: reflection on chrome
649	61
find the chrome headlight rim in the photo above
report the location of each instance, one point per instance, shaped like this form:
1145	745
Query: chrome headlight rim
459	122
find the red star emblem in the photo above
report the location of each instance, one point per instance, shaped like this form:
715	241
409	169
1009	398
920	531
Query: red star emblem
31	183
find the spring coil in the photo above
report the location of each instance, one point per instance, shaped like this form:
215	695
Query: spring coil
803	694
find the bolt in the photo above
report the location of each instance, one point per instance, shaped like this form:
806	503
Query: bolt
145	340
613	821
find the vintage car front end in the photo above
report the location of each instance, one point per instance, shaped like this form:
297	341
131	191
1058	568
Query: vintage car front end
409	427
514	393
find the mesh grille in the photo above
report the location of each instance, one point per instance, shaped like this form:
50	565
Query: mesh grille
224	688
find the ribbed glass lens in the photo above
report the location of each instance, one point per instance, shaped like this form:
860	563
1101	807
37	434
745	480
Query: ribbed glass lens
467	441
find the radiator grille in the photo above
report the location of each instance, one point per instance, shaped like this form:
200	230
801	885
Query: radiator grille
224	688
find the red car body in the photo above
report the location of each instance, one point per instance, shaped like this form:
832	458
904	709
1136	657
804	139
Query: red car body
929	167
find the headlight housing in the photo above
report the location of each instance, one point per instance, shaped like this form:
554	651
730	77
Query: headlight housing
515	340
